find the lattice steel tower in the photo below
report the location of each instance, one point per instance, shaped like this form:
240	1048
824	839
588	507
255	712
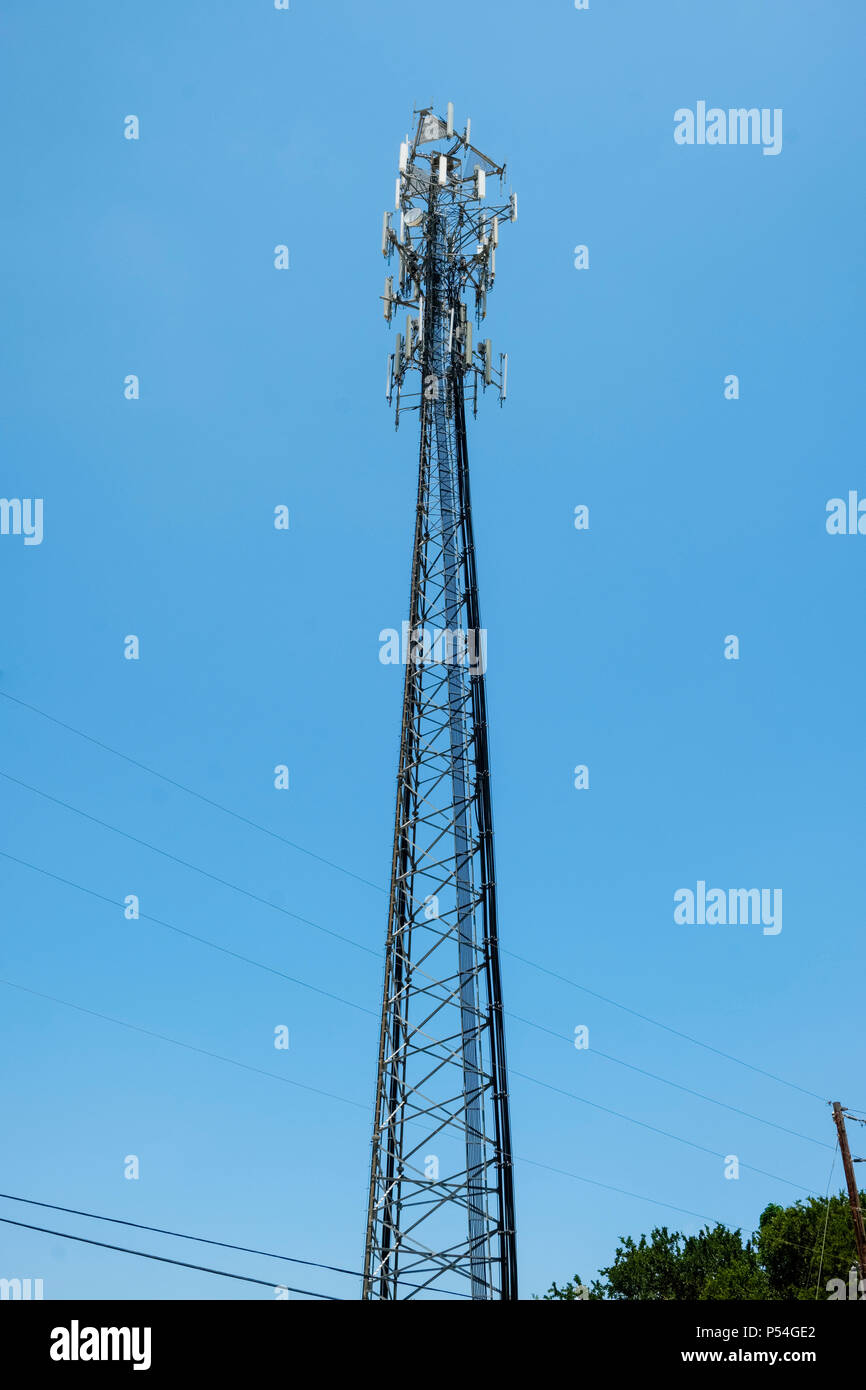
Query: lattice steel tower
441	1206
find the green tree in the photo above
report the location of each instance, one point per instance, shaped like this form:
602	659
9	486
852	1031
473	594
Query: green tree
781	1261
791	1239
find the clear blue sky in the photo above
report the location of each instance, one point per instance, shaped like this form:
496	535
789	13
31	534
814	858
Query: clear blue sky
258	647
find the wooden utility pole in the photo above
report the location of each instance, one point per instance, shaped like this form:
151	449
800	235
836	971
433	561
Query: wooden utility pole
853	1193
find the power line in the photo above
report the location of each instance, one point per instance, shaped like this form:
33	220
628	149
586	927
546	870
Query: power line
656	1201
524	960
105	825
327	931
201	1240
339	1269
826	1221
317	926
162	1037
175	1042
192	936
519	1157
594	1051
645	1018
679	1139
361	1008
621	1191
180	1235
317	1264
190	791
164	1259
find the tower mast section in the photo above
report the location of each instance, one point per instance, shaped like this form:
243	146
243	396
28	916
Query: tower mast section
441	1203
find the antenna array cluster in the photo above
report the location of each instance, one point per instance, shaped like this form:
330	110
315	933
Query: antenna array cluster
443	180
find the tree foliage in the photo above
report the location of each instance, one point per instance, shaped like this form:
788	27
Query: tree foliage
781	1261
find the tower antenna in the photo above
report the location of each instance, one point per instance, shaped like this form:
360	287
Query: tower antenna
441	1200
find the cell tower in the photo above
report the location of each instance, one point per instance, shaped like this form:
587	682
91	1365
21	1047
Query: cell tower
441	1206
